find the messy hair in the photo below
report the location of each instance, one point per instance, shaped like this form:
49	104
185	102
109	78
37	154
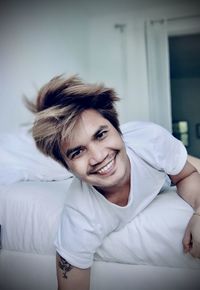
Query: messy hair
58	107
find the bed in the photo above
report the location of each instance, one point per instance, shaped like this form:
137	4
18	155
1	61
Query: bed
146	254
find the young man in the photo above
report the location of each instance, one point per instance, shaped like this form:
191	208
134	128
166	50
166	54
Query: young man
117	171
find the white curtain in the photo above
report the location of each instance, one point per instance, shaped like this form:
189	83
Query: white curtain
158	73
157	33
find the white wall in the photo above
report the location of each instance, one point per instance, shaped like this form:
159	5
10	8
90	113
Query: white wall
129	74
39	41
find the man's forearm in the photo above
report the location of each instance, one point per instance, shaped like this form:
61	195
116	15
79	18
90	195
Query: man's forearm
189	189
71	278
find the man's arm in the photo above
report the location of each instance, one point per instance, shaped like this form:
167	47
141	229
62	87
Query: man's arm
70	277
188	187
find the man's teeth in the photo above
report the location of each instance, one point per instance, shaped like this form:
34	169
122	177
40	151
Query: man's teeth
106	168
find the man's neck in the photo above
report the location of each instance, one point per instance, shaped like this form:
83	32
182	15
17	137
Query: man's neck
118	196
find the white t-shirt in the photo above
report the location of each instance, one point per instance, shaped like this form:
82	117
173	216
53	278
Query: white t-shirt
88	217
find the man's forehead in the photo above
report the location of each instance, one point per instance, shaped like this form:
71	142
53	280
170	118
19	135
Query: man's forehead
86	126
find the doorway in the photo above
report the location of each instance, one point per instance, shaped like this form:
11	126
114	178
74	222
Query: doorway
184	59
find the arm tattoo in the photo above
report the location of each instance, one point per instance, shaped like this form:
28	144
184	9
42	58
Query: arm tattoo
65	266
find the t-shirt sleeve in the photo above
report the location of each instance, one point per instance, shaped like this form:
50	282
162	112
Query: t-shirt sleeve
77	238
170	153
156	145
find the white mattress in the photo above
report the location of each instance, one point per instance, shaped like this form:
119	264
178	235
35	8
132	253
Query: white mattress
19	271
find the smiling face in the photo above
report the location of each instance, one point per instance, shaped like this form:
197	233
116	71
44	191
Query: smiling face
96	153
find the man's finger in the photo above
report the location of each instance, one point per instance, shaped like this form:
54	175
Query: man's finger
195	250
187	241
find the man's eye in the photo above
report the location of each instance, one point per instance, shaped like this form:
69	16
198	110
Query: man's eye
101	135
76	153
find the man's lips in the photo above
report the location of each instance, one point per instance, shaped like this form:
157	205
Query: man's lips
105	168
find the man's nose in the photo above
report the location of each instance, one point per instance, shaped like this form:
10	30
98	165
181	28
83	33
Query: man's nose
97	154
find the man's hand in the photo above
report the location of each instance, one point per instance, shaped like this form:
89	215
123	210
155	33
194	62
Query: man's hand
191	239
188	187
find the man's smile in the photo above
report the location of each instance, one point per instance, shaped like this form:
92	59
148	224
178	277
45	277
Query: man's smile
107	168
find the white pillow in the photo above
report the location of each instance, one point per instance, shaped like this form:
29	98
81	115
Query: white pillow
154	237
21	160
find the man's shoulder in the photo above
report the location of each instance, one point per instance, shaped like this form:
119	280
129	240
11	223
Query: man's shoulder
79	194
74	191
135	125
140	130
77	185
